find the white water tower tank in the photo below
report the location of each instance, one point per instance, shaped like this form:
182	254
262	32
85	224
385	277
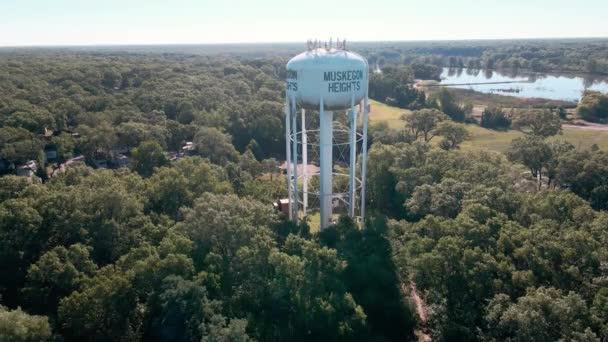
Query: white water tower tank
332	74
326	79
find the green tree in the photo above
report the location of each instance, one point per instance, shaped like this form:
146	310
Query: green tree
21	240
214	145
453	134
189	315
495	118
96	142
423	122
148	156
382	194
448	105
599	309
11	186
368	255
558	149
593	106
18	145
542	123
443	199
543	314
106	309
16	325
308	295
55	275
249	163
270	166
171	188
532	152
34	120
65	145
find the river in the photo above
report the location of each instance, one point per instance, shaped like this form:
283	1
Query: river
524	84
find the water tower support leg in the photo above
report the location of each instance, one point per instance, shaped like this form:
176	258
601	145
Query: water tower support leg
305	163
288	153
364	156
294	128
352	116
326	161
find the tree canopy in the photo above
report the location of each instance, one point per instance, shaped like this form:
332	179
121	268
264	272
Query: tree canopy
184	245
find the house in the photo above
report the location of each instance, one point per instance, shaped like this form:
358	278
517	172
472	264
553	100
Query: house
100	163
28	169
78	160
282	205
173	156
123	160
188	148
50	153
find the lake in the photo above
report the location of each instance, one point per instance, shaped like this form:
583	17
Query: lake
524	84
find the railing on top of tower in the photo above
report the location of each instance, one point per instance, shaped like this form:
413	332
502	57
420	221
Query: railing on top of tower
312	45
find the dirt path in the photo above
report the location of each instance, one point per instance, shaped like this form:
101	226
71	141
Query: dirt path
422	333
420	309
589	126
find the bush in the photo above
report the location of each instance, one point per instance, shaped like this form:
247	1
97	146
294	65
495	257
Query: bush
17	325
593	106
495	118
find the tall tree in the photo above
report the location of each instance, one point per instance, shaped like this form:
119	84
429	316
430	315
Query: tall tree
453	134
215	145
533	152
147	156
16	325
423	122
543	123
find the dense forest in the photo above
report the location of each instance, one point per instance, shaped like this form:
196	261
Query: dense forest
541	55
147	210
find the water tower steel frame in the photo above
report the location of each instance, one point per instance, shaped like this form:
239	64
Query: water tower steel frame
348	100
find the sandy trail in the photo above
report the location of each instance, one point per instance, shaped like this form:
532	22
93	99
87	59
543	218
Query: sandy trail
589	126
423	333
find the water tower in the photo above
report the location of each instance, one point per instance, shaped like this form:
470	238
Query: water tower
322	147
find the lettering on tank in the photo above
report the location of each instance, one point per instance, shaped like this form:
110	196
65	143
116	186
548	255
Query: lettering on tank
292	80
343	81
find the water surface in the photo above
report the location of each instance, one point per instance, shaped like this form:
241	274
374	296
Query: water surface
524	84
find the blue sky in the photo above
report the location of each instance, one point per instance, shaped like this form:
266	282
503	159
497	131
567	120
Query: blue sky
90	22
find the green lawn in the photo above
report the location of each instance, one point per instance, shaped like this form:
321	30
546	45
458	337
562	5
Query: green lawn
383	113
583	138
486	139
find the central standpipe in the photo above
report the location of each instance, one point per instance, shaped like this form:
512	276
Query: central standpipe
288	155
352	138
294	155
326	164
305	164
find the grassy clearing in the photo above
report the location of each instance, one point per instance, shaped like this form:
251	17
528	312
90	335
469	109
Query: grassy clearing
490	140
487	139
583	138
381	112
314	222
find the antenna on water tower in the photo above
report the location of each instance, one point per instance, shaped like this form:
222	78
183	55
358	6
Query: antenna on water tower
326	79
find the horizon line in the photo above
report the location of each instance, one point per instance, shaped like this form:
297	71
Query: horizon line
289	42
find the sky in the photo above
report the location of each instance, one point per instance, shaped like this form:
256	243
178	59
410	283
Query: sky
110	22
